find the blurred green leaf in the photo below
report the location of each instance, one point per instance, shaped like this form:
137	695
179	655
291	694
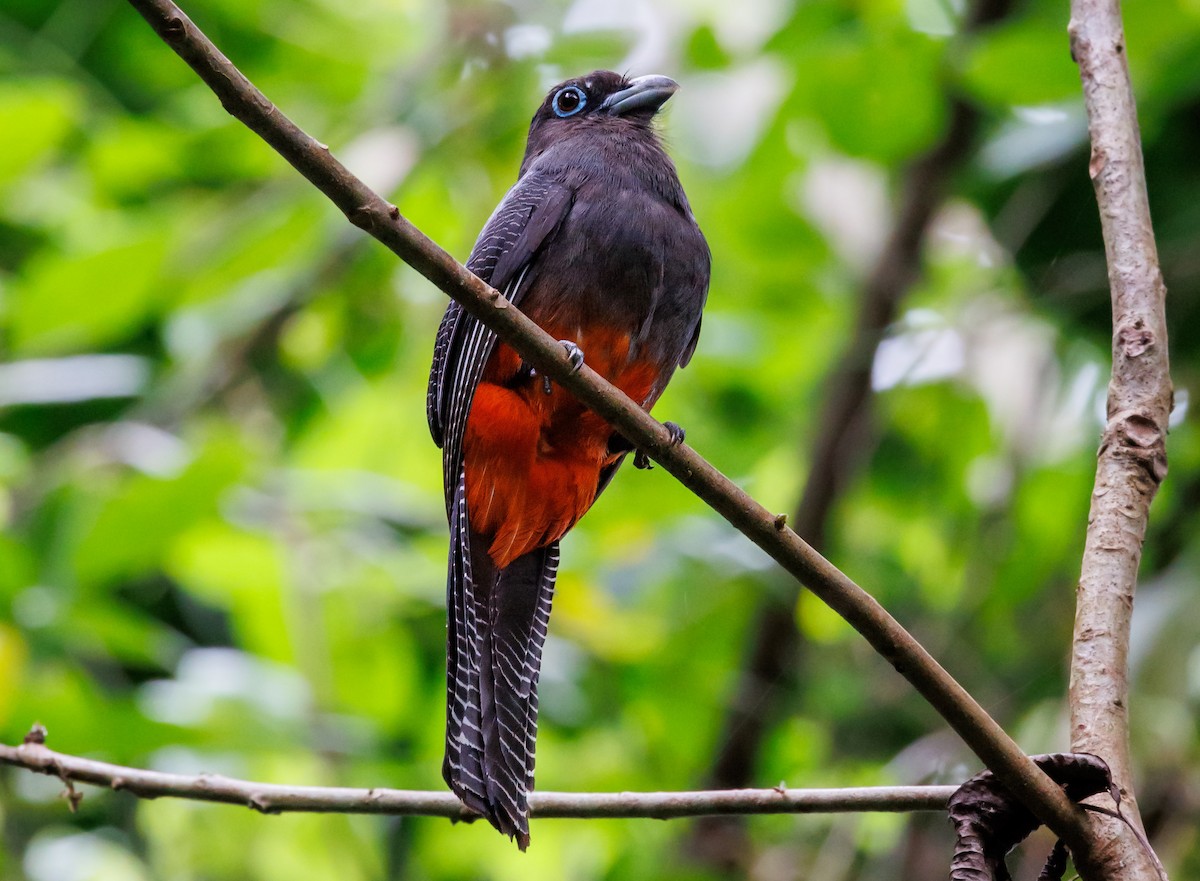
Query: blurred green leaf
72	303
892	115
1022	64
36	116
243	573
137	523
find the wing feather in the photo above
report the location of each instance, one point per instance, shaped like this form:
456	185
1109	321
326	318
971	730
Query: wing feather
502	257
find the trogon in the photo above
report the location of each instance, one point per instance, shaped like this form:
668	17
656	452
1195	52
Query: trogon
597	244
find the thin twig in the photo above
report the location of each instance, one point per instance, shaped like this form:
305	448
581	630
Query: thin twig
1132	461
270	798
383	221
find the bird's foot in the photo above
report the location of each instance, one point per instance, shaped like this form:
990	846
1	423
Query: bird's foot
574	355
642	461
527	373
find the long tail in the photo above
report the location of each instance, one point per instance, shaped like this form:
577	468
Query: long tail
497	627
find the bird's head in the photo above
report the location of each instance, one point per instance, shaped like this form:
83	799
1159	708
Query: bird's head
601	99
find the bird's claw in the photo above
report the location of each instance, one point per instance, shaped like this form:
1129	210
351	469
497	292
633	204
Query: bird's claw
642	461
574	354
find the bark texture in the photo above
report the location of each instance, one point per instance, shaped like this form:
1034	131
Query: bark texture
1132	460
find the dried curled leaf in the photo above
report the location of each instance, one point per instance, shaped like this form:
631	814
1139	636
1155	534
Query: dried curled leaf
1056	863
989	821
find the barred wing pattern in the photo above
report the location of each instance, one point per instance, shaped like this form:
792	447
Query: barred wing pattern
497	618
502	257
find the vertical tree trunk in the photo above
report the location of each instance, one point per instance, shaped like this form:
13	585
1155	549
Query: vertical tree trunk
1132	461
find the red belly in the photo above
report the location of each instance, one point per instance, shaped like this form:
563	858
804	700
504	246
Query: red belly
533	460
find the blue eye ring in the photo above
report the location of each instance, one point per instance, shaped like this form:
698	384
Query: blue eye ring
568	101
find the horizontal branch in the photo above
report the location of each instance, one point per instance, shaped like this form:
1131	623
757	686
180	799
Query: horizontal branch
383	221
271	798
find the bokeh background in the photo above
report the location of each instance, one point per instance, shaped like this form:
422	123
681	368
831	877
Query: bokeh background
221	535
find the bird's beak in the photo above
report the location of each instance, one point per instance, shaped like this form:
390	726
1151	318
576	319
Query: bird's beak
644	93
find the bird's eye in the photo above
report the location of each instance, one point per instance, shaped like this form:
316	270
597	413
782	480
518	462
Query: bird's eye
568	101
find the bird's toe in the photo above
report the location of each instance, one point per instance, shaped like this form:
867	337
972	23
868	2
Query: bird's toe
574	354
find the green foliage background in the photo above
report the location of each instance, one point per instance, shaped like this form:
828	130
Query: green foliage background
221	537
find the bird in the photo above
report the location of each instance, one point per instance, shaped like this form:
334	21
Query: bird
595	242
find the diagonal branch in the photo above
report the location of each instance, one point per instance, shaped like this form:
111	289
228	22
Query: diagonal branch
838	445
383	221
271	798
841	444
1132	460
838	451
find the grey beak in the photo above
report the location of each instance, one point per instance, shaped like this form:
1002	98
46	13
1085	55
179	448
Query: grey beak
644	93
